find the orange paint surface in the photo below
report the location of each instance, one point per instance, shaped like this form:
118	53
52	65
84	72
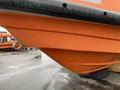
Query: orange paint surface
5	35
79	46
111	5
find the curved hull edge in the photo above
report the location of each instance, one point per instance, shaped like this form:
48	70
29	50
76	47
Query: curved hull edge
79	46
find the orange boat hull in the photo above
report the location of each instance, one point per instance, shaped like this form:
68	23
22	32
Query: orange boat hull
79	46
6	45
82	62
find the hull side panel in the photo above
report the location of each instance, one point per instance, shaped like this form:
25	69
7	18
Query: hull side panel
79	46
82	62
57	40
72	51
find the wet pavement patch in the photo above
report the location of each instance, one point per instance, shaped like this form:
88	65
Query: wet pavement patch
66	80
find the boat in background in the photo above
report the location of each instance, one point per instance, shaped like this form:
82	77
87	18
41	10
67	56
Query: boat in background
4	42
7	41
80	35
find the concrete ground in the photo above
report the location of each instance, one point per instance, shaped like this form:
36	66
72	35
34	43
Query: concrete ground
29	71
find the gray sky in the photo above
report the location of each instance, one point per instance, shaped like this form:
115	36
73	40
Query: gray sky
2	29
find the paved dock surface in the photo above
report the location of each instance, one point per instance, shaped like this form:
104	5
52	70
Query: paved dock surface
29	71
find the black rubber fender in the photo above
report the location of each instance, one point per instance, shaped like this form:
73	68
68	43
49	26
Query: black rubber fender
62	9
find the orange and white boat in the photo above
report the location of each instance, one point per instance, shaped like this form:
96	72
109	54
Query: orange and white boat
81	35
7	41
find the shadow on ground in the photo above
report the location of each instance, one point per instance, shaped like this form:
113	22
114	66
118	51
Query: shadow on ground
66	80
